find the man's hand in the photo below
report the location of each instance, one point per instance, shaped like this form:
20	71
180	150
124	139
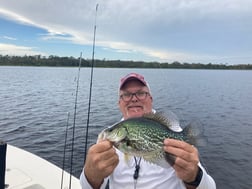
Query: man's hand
187	159
100	162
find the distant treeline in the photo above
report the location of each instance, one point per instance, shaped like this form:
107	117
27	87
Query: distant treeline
71	61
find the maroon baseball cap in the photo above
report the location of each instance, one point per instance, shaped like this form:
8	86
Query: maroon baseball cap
132	76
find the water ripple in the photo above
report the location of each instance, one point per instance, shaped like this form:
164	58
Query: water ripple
34	103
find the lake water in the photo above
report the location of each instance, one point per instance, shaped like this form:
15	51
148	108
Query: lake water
35	101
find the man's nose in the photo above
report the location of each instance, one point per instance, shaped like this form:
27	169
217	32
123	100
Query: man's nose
134	97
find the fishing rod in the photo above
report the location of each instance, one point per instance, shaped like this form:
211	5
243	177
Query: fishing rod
73	132
91	84
64	152
74	121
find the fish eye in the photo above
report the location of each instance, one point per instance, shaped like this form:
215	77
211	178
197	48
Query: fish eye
110	130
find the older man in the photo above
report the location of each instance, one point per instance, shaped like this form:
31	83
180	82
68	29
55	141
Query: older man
104	162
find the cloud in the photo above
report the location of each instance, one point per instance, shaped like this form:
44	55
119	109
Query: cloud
8	49
161	29
162	55
8	14
9	38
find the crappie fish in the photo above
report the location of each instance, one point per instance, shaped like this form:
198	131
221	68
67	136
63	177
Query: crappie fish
144	136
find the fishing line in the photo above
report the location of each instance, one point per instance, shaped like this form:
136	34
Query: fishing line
91	84
64	153
74	121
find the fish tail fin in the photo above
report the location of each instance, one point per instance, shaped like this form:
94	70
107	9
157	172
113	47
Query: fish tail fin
194	134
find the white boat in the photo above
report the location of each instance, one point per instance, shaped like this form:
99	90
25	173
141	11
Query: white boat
25	170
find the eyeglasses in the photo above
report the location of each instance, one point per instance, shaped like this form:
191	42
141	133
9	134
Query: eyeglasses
140	95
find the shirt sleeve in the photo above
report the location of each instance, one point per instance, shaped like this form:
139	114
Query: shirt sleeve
85	184
207	182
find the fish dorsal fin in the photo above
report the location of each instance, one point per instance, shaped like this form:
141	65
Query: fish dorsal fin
159	117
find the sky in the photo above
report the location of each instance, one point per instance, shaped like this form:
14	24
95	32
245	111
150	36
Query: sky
191	31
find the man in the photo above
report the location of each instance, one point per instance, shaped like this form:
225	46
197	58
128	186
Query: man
104	162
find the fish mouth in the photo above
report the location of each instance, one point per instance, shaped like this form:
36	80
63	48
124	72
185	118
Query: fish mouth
101	136
112	137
